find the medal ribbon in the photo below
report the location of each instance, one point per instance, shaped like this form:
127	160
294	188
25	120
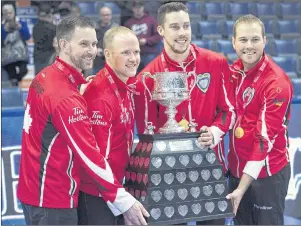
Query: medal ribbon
126	123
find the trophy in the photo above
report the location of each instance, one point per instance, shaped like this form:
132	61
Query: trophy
175	178
170	90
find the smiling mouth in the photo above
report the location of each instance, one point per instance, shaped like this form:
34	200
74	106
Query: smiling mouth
249	53
182	41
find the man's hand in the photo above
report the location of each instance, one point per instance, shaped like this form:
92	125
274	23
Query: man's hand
238	193
206	138
135	215
235	197
83	87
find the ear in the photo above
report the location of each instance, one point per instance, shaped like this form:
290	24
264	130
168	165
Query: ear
107	54
264	40
63	45
233	42
160	30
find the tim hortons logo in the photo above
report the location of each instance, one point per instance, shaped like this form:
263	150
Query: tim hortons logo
97	119
78	115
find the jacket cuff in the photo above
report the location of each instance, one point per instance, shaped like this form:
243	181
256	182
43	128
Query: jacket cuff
122	203
217	135
253	168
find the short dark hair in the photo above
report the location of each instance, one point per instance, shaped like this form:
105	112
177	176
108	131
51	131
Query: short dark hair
66	26
169	8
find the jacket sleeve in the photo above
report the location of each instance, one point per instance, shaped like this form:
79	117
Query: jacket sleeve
145	108
273	117
226	116
71	120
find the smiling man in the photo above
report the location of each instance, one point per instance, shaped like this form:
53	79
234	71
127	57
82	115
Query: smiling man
258	158
57	140
212	99
110	105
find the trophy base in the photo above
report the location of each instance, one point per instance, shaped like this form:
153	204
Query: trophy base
176	180
171	129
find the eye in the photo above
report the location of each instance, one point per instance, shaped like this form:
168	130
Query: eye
175	27
125	53
186	26
84	44
255	40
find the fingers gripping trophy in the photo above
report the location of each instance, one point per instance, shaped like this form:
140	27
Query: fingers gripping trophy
175	178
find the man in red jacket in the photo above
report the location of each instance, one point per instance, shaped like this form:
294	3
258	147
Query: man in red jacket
57	140
110	104
258	158
212	101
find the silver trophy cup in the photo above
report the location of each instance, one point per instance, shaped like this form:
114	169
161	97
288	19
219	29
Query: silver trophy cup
170	90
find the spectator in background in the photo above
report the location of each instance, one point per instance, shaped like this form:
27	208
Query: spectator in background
145	27
125	10
104	24
43	35
14	51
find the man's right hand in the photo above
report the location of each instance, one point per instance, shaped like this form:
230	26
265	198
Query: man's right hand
135	215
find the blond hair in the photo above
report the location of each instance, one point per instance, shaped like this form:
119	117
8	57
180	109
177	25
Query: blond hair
110	35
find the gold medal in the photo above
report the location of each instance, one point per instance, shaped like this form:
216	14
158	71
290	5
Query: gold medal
184	123
239	132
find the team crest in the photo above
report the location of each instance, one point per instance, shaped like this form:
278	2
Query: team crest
248	95
203	82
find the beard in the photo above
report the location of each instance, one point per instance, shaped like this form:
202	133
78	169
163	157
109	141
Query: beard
176	50
79	61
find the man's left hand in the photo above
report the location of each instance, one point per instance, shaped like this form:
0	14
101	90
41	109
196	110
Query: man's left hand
235	197
206	138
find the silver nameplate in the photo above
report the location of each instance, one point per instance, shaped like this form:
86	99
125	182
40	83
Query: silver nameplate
181	145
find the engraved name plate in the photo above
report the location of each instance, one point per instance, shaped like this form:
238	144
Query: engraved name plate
181	145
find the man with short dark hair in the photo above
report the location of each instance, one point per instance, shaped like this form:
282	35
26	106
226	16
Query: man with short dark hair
57	140
212	99
258	159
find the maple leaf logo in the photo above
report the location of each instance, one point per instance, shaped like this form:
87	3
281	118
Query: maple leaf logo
27	119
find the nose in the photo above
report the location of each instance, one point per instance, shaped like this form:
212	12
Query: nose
249	44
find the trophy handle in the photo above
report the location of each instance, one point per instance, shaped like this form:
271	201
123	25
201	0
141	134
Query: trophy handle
192	73
147	74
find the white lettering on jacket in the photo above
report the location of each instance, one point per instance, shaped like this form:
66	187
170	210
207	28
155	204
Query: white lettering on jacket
78	115
96	119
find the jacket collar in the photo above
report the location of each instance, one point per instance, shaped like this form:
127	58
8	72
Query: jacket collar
74	76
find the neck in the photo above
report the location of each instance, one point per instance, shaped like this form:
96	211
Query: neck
177	57
67	59
123	78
